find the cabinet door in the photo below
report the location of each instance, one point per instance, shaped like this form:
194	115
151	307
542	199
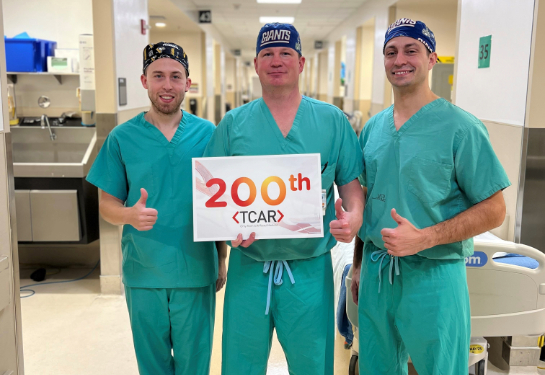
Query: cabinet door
22	208
55	215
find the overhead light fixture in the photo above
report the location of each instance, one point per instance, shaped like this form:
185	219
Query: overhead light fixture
160	24
279	1
276	19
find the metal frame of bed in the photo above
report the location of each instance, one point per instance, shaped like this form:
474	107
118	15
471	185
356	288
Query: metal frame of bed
505	299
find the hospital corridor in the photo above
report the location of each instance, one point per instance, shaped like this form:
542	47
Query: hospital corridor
272	187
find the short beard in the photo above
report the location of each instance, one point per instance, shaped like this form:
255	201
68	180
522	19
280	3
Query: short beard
158	108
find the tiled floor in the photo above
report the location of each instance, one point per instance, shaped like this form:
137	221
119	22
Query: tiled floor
70	329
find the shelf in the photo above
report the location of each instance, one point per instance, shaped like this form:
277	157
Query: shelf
12	76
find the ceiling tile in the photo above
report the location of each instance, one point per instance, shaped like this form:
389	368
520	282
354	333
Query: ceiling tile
238	20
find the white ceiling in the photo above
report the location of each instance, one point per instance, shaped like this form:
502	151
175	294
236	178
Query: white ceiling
238	20
175	18
314	19
426	2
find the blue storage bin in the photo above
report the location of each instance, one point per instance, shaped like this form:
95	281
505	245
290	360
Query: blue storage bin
50	48
28	54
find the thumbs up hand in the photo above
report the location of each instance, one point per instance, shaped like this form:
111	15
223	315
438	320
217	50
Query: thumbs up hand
404	240
141	217
347	224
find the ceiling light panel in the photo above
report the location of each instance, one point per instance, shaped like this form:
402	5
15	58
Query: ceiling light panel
279	1
276	19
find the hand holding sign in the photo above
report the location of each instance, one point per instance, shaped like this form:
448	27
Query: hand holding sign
404	240
244	243
141	217
346	226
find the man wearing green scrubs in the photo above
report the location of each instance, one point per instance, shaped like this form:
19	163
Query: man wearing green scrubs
298	305
144	172
432	182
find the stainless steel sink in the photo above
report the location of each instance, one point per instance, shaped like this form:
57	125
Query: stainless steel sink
36	155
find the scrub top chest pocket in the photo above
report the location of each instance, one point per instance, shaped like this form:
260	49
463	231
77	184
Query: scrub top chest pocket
328	175
370	170
429	180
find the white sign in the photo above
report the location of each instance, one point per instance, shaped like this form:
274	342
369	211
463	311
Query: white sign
86	62
276	196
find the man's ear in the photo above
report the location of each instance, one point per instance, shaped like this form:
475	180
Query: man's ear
144	81
432	60
255	64
187	84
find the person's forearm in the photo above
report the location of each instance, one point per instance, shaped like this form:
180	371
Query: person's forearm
352	196
478	219
358	243
358	252
114	212
222	250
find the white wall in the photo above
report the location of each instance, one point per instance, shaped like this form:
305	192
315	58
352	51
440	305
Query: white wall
58	20
331	71
30	87
349	58
192	45
239	81
222	78
250	74
367	57
323	73
230	75
440	18
497	93
129	47
256	88
213	32
372	8
314	76
210	77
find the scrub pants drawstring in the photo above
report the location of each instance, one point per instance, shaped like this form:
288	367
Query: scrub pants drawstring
394	264
278	271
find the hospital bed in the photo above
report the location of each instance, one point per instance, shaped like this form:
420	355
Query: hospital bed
506	284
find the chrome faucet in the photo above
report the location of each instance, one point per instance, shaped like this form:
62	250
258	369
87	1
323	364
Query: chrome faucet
45	120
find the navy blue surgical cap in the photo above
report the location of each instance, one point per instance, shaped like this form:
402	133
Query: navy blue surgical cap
412	29
161	50
278	35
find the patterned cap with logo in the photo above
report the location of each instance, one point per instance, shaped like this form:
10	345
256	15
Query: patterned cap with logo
412	29
278	35
161	50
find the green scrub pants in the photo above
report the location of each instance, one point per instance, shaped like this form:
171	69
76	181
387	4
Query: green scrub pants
172	320
423	313
302	314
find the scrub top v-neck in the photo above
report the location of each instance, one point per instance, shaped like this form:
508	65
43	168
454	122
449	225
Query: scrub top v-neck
137	155
437	165
271	122
318	127
161	138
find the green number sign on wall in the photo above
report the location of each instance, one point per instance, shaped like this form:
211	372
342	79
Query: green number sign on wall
485	46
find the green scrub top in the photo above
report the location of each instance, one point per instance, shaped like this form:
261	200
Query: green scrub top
439	164
137	155
318	127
